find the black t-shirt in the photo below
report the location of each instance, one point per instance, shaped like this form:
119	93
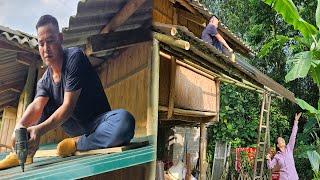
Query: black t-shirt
209	36
77	73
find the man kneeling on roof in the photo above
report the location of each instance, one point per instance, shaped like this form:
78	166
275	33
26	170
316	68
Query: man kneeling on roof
70	95
211	35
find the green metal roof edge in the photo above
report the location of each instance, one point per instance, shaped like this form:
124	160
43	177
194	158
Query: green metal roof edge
89	165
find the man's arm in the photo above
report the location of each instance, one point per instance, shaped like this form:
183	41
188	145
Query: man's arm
33	112
220	38
31	115
61	114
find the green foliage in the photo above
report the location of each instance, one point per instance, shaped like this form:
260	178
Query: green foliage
291	15
239	118
301	65
314	159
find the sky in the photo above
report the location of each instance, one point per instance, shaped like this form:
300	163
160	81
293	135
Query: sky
23	15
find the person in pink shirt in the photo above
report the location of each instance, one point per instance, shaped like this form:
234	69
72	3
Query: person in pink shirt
284	155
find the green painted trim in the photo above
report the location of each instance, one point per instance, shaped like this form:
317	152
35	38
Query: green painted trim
79	167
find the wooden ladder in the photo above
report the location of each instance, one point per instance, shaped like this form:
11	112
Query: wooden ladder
263	141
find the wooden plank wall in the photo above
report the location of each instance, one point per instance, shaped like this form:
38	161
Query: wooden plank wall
162	11
7	126
125	79
194	22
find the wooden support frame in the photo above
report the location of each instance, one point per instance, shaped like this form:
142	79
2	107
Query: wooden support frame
153	101
28	58
187	6
172	86
126	11
172	41
15	85
192	113
27	94
115	40
203	151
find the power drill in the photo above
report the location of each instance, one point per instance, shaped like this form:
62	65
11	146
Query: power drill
21	145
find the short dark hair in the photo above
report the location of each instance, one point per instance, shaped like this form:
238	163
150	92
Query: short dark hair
47	19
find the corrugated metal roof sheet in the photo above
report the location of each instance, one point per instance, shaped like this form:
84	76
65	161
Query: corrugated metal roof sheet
24	39
93	15
208	14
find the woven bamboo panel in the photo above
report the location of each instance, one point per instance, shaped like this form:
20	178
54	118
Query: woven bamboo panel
7	126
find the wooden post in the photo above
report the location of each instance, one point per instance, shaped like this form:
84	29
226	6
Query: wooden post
153	102
27	94
203	151
172	87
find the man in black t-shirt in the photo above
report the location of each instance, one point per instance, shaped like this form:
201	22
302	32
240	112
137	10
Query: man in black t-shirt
211	35
70	95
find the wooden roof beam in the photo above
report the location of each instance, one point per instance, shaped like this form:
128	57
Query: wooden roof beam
28	58
16	85
111	41
8	102
127	10
187	6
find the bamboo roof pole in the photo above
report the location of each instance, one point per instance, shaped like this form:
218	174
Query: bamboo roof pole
172	41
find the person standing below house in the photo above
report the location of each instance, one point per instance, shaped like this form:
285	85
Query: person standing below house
70	94
211	35
284	154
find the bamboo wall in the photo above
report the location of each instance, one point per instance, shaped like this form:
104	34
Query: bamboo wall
125	79
192	91
7	125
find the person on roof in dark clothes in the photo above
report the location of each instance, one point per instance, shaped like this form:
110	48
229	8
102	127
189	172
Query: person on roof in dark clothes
70	94
211	35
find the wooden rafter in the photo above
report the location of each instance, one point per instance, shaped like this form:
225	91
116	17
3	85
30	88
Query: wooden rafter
16	85
8	102
127	10
187	6
28	58
115	40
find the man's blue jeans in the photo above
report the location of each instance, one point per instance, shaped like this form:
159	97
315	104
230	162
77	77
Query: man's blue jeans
116	128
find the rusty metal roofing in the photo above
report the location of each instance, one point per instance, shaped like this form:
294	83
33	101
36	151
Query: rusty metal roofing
222	27
12	73
93	15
